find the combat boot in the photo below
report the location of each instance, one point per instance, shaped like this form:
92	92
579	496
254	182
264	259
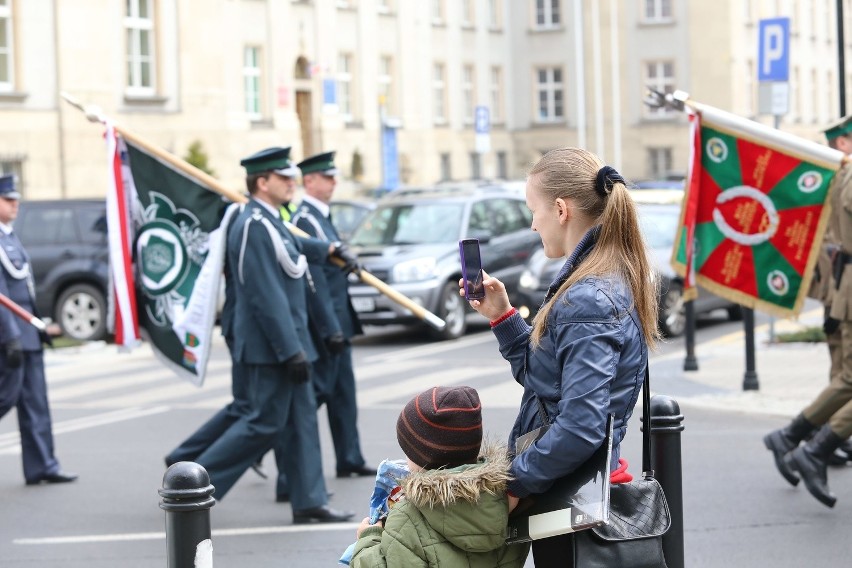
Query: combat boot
784	440
811	462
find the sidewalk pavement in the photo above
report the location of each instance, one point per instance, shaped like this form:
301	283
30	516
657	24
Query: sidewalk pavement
789	375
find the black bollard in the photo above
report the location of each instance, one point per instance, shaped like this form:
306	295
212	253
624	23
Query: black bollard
666	426
187	500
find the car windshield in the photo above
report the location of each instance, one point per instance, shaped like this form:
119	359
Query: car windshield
411	223
659	225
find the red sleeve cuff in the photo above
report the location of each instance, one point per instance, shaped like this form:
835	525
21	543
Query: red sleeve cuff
504	317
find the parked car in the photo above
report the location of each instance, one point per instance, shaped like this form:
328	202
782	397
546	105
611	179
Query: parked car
410	241
67	244
659	213
348	213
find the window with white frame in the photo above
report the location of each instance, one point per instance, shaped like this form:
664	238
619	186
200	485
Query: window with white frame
446	167
344	86
15	166
657	11
468	93
502	166
139	28
475	166
467	13
437	11
547	14
659	76
659	162
385	87
496	88
549	94
439	93
7	59
494	19
251	82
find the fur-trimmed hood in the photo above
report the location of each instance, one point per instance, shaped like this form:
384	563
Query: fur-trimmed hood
443	487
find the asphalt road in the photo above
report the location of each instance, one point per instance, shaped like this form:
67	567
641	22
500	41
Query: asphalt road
116	416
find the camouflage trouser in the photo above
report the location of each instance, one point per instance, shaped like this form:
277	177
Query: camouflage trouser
834	404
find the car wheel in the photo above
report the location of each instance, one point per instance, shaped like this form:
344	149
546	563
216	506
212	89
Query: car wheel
735	313
451	309
81	312
672	311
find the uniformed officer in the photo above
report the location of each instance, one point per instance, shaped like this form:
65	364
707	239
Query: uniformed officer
22	383
333	324
270	338
829	416
335	383
210	431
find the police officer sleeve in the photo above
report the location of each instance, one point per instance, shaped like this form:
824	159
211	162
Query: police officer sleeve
9	329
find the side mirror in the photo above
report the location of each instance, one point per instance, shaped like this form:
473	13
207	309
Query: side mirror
484	235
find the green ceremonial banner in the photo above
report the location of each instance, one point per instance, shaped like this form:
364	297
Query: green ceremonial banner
178	256
754	212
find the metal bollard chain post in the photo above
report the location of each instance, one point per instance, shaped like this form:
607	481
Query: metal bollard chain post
187	501
666	426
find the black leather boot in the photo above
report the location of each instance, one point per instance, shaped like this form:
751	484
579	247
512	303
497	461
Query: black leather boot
811	461
784	440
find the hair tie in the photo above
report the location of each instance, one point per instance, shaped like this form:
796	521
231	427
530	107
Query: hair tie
606	177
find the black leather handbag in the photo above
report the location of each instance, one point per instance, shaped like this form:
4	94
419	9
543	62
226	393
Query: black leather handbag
638	517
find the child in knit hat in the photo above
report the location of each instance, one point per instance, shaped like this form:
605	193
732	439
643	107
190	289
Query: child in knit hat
454	511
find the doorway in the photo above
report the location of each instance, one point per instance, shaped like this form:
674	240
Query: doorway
303	110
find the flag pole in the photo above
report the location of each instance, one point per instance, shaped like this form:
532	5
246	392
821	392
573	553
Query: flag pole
94	114
22	313
748	129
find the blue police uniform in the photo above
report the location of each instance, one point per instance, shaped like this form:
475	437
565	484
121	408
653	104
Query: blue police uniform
23	387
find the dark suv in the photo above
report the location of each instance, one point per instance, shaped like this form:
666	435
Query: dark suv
67	243
410	241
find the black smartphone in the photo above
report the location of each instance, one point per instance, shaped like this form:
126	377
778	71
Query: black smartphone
471	264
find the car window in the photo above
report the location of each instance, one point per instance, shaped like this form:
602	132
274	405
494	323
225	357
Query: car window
506	216
479	222
47	226
659	226
91	222
419	223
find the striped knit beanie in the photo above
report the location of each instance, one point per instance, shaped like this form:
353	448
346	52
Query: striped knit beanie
441	427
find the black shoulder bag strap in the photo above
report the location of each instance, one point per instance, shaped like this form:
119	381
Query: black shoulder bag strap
647	471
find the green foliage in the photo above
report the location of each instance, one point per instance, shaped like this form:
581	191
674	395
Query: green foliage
357	166
198	157
806	335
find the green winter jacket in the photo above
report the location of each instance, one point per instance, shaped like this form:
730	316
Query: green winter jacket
448	518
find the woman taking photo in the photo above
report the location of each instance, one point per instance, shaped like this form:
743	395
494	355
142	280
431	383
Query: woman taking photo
585	355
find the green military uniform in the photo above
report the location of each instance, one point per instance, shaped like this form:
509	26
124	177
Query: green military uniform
825	408
829	417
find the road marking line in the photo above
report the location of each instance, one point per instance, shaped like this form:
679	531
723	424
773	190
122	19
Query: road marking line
412	386
124	537
9	442
425	350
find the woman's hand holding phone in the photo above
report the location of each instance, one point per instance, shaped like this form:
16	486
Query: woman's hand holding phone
496	300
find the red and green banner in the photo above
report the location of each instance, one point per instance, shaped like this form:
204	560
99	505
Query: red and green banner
754	212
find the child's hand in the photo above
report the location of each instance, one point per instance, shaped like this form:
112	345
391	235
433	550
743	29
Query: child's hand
366	523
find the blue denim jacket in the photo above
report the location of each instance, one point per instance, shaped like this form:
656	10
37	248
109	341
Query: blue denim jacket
590	363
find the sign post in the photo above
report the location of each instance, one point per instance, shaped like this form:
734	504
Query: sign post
482	125
773	66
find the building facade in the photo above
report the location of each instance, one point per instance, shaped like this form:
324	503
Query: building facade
378	79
